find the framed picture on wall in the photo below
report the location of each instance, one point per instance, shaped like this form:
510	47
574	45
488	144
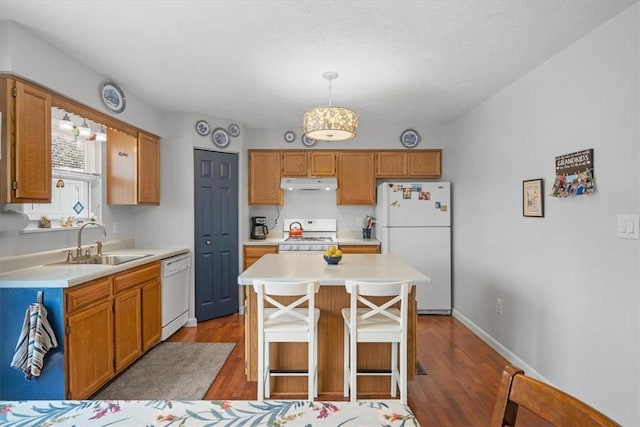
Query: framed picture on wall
533	198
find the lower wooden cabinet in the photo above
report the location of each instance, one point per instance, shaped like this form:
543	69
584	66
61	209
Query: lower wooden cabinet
127	327
110	323
251	253
360	249
151	314
89	352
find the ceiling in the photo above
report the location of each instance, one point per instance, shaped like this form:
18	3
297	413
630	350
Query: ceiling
260	63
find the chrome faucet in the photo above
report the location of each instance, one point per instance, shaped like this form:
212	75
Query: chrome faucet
79	249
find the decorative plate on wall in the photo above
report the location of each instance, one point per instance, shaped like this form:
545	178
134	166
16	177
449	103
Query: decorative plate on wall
409	138
234	130
202	127
289	136
113	97
220	137
308	141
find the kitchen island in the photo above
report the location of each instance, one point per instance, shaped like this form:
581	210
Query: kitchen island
331	298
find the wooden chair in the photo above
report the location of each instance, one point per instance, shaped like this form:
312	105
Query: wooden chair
281	322
558	408
376	323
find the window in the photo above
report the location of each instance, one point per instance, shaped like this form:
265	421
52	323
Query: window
76	162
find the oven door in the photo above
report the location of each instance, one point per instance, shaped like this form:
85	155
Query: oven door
318	251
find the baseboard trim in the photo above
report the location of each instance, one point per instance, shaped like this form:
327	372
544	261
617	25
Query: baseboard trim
498	347
192	322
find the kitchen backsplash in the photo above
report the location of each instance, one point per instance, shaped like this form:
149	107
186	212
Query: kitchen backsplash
314	204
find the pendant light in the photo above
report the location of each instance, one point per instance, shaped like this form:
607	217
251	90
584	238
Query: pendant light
65	123
330	123
85	130
102	134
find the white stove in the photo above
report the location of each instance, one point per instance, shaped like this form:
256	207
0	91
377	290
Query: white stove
317	235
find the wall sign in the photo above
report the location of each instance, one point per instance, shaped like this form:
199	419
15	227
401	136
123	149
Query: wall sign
574	174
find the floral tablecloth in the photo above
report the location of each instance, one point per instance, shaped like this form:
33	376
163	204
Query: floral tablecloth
204	413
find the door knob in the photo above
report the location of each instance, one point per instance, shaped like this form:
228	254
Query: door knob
208	242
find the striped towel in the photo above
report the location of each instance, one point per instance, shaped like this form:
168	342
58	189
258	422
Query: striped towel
36	338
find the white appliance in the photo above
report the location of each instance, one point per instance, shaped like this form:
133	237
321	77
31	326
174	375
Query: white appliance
317	235
176	276
413	222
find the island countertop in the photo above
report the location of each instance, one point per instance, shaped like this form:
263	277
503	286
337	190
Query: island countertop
300	266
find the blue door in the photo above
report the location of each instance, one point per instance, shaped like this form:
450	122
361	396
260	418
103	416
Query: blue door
216	234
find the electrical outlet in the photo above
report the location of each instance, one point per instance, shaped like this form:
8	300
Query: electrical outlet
499	306
358	222
116	228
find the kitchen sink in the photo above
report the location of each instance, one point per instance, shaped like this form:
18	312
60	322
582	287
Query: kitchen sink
107	259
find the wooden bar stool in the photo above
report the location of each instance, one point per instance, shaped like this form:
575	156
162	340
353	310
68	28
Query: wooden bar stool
376	323
281	322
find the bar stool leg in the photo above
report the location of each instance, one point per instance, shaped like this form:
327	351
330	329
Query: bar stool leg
260	368
345	357
310	369
394	368
403	372
267	370
353	367
315	366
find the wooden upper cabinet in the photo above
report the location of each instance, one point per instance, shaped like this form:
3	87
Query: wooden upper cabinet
121	168
425	163
133	168
408	164
322	163
356	178
26	143
148	169
308	163
264	177
295	163
391	164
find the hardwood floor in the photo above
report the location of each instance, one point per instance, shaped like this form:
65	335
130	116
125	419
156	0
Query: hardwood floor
459	388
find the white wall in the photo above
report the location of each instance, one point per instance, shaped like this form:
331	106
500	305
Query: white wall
569	286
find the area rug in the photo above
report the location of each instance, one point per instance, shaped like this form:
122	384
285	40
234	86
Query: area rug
170	371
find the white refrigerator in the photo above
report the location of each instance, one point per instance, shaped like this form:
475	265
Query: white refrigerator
413	223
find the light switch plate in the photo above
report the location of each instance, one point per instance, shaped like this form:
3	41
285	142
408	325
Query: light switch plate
627	226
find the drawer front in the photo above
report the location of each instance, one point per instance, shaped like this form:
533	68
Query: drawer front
360	249
258	251
96	291
135	277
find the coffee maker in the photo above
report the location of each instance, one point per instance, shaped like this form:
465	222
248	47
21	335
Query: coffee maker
259	229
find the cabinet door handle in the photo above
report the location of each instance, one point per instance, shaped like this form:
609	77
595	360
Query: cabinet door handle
123	154
208	242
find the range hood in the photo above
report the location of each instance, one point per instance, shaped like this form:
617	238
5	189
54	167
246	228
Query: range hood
309	184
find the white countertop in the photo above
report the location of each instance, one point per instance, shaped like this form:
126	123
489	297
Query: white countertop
68	275
301	266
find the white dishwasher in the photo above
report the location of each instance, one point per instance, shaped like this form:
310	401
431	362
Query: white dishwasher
176	276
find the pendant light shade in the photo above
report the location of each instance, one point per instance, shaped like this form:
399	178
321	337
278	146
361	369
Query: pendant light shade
65	123
85	130
330	123
101	135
